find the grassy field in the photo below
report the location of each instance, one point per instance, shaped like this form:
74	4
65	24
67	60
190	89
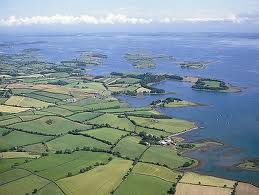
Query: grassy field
6	164
114	121
12	175
26	102
142	184
152	131
17	155
101	180
164	155
130	147
35	148
10	121
109	134
50	189
58	111
170	125
156	171
74	141
25	185
194	178
56	166
12	109
244	188
190	189
17	138
50	125
84	116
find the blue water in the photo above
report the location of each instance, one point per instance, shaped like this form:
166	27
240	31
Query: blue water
231	118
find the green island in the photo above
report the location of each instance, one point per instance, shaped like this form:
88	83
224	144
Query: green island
194	64
172	102
64	132
140	60
214	85
86	59
251	164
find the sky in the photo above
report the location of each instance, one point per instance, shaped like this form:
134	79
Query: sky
130	15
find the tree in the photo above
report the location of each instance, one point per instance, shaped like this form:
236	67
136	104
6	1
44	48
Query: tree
69	174
34	191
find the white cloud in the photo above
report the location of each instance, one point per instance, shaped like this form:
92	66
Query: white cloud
120	19
65	19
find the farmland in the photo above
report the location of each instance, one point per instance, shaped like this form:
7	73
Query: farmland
101	180
137	184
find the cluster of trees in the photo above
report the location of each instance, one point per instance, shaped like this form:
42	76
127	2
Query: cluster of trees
187	164
6	132
172	190
148	138
234	190
165	101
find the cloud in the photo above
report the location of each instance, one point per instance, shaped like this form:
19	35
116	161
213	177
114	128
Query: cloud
122	19
65	19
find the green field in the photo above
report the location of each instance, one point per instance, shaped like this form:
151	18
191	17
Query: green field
25	185
130	147
17	138
57	111
84	116
169	125
50	125
50	189
142	184
164	156
152	131
56	166
26	102
109	134
74	141
6	164
99	181
156	171
114	121
194	178
12	175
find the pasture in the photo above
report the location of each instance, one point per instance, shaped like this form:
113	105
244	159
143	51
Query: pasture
191	189
142	184
156	171
114	121
164	156
130	147
169	125
50	125
194	178
100	181
26	102
73	141
108	134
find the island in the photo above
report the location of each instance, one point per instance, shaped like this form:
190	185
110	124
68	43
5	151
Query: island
250	164
196	64
172	102
141	60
